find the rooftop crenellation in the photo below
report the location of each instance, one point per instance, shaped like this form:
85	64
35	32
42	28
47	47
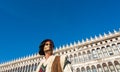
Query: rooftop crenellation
71	45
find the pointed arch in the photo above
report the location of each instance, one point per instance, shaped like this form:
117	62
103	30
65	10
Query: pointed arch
88	69
89	55
29	68
99	68
32	68
99	53
94	68
35	66
109	49
110	65
71	58
23	68
117	65
75	55
79	57
113	44
77	70
104	51
105	67
75	58
84	56
26	68
82	69
94	54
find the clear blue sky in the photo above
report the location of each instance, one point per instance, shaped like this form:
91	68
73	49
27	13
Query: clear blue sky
25	23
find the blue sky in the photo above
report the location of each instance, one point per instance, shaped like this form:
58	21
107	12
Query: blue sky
25	23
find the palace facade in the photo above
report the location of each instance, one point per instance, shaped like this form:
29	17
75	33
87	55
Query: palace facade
98	54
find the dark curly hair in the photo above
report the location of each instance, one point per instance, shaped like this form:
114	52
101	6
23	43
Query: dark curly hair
41	46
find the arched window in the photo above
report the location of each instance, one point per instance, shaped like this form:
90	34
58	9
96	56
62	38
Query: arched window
23	68
105	67
115	48
71	58
89	55
68	57
99	53
117	65
88	69
80	57
82	69
29	68
111	66
26	68
13	69
94	68
118	45
20	69
35	67
85	56
75	58
77	70
32	69
104	52
94	54
99	68
16	70
109	49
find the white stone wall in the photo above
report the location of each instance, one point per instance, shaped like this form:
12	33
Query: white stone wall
99	54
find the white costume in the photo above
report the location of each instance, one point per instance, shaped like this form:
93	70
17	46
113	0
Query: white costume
64	63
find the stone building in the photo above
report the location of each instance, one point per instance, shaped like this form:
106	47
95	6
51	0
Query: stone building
98	54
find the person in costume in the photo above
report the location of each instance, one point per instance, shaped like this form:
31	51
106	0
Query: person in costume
52	63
